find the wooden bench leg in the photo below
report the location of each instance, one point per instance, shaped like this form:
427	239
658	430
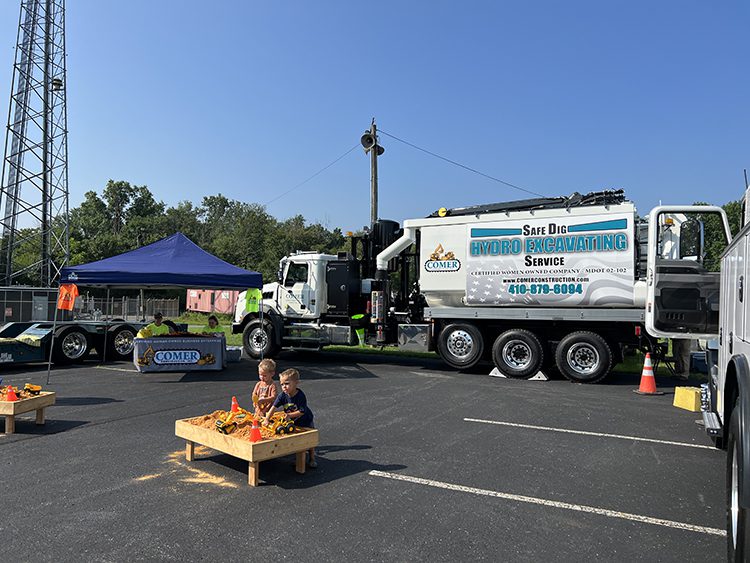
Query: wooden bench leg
189	450
300	466
252	473
10	424
40	416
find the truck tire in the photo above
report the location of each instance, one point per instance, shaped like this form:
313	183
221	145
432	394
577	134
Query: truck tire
583	357
737	517
258	339
72	345
120	343
517	353
460	345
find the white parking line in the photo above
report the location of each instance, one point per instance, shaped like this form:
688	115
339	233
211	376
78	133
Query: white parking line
431	374
117	369
551	503
586	433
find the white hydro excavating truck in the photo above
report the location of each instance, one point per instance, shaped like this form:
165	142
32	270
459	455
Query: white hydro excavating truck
566	281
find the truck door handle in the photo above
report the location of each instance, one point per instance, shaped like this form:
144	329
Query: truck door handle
740	288
731	342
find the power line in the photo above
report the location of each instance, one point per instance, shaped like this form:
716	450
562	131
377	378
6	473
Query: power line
302	183
461	165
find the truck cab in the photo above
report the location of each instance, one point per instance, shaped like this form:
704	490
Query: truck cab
301	291
298	293
309	307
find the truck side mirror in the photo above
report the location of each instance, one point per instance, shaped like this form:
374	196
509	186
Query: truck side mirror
691	239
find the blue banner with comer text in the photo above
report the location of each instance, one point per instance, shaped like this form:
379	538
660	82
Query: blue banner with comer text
172	353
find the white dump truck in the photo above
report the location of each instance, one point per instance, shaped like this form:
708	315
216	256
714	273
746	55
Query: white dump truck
526	285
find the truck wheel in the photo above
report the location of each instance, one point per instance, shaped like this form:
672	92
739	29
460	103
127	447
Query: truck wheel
460	345
737	517
583	357
120	343
71	345
518	353
258	339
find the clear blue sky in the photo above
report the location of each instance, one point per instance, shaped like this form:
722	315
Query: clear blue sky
249	98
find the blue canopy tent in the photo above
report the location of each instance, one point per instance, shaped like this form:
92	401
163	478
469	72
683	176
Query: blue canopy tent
172	262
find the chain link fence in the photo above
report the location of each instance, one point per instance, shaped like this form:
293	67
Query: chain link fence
126	308
25	304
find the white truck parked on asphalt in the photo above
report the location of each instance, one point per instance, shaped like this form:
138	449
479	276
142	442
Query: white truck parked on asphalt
725	398
564	281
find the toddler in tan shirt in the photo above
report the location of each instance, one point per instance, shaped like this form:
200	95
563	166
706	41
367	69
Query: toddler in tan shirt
265	390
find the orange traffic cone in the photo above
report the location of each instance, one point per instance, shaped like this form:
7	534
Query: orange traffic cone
11	394
255	435
648	383
235	405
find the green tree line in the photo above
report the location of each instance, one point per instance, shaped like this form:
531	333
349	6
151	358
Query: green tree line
124	217
714	240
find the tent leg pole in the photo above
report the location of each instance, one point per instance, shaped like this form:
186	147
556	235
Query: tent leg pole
106	329
52	342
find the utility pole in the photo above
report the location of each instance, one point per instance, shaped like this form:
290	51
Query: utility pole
370	143
373	177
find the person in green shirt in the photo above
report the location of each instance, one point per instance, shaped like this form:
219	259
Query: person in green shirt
157	327
212	327
252	300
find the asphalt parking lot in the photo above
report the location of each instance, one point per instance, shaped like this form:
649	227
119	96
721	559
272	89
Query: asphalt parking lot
416	462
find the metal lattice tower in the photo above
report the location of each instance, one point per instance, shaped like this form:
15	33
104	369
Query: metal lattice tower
34	197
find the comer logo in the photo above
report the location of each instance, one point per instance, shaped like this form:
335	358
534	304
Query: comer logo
442	261
442	265
177	357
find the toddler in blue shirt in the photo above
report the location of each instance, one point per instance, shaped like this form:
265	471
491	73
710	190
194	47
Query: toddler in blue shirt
293	403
